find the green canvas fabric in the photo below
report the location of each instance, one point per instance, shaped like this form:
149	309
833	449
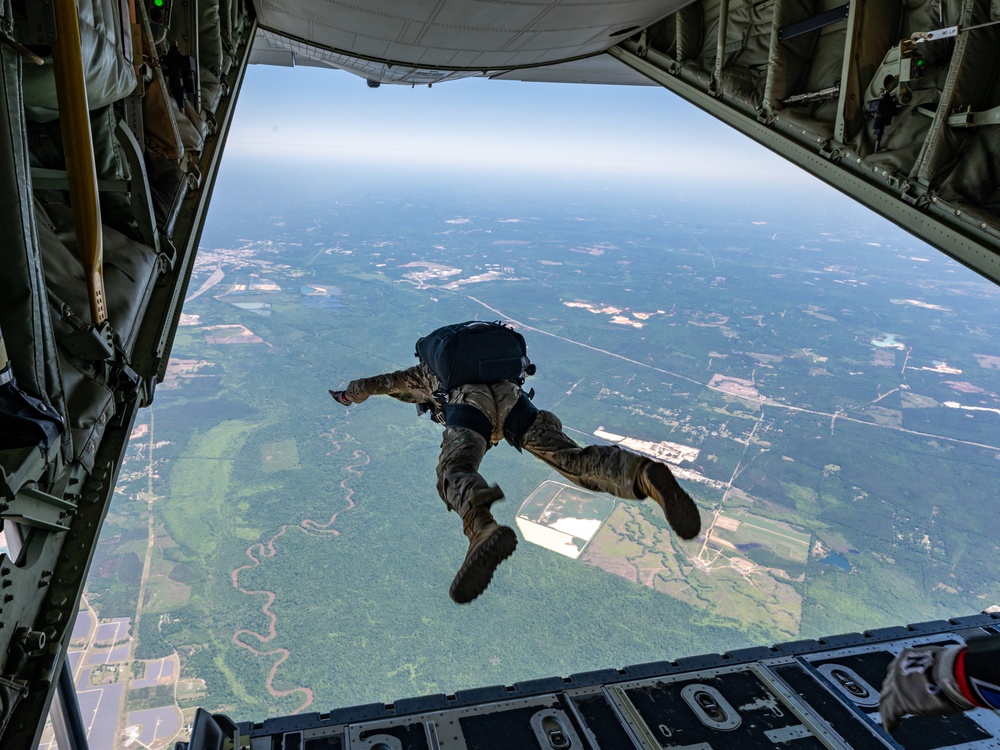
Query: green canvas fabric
130	272
24	317
109	76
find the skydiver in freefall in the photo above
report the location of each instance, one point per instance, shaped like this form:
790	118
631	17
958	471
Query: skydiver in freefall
478	415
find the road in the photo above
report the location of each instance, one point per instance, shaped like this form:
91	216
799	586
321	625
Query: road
761	401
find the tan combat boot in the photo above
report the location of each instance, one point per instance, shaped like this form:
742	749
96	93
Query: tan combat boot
489	545
656	481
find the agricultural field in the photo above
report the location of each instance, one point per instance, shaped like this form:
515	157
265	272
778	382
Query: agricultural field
290	554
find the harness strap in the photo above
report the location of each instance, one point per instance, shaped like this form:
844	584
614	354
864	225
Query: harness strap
469	417
519	420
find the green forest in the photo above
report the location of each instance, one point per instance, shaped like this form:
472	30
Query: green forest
291	531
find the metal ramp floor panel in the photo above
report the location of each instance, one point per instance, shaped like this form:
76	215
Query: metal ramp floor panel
800	695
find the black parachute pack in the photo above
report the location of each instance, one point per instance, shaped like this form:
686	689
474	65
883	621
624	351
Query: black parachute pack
477	351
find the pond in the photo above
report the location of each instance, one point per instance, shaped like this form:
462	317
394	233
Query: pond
835	558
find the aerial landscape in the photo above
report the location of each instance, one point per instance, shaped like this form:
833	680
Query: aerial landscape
826	387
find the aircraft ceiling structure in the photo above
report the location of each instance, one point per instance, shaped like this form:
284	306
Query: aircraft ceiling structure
114	115
440	40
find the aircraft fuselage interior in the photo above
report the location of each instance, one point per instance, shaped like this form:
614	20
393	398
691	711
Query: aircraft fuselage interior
115	115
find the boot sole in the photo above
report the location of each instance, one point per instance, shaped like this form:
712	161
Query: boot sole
678	507
477	570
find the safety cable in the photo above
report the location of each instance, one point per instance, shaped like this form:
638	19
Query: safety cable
948	32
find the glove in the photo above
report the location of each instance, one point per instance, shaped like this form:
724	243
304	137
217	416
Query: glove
922	681
341	397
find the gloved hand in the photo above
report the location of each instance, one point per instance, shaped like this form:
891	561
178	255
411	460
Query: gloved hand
341	397
922	681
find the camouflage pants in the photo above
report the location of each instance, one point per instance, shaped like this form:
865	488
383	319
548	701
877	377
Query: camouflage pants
601	468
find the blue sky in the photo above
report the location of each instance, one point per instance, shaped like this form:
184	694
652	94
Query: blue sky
644	133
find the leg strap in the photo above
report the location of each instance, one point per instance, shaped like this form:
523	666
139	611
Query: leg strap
519	419
469	417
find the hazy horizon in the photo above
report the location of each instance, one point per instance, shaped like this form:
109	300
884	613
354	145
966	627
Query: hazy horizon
645	133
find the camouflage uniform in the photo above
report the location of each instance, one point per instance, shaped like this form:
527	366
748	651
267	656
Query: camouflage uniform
600	468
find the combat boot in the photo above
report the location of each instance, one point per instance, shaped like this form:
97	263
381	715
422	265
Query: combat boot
656	481
489	545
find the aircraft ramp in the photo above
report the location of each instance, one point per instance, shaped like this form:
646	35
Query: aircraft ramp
799	695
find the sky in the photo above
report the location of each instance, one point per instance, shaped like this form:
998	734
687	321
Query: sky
641	133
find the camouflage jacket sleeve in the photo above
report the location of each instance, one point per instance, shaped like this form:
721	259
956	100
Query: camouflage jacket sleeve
415	385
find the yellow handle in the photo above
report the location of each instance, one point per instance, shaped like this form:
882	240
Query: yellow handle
78	144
